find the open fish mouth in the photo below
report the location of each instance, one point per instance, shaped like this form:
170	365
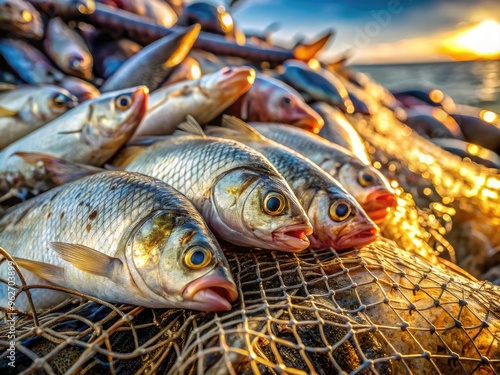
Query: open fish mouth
211	293
293	237
378	203
357	235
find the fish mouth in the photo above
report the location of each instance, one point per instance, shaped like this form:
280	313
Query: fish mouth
293	237
378	203
309	123
211	293
236	80
357	234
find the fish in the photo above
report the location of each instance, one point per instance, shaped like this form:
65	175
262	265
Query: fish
204	99
479	126
26	108
148	244
160	58
29	63
68	50
339	130
364	182
433	97
109	55
337	218
270	100
83	90
244	200
157	11
64	8
213	19
432	122
143	31
20	18
319	84
90	133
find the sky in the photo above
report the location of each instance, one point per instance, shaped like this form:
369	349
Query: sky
375	31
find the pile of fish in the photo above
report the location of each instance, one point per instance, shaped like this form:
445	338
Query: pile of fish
248	199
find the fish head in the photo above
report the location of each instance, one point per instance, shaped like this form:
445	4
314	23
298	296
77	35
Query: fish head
25	20
50	102
285	105
80	64
177	259
258	209
339	221
114	116
370	188
229	83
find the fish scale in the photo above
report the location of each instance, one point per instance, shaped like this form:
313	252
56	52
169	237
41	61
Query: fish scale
231	185
111	202
192	164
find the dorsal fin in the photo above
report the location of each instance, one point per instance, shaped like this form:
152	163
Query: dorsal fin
240	126
192	126
306	52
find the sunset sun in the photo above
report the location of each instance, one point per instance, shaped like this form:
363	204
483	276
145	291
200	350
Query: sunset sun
479	42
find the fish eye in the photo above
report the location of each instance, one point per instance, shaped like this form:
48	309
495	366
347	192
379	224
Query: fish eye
340	210
59	101
286	102
197	258
366	178
26	16
123	102
274	204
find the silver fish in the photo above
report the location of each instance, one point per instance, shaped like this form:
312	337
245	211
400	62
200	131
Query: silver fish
20	18
68	50
28	62
365	183
337	218
90	133
242	197
148	245
203	99
26	108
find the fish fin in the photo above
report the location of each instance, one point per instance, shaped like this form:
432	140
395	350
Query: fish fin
89	260
47	271
192	126
340	61
185	46
59	170
234	123
4	112
306	52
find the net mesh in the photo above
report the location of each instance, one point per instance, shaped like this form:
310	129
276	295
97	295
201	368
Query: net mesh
377	310
447	204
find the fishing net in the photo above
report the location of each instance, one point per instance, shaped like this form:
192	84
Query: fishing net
446	203
378	310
